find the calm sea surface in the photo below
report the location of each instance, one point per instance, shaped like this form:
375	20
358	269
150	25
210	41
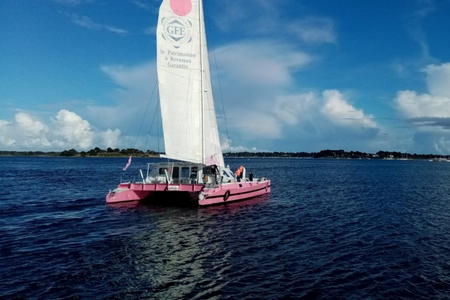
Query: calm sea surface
329	229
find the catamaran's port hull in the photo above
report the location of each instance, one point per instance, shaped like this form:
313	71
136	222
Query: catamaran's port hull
197	193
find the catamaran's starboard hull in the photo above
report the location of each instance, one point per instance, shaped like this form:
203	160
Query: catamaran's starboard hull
197	193
235	191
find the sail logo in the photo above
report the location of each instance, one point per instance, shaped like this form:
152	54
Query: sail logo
177	31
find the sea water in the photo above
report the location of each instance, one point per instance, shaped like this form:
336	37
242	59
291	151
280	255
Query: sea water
329	229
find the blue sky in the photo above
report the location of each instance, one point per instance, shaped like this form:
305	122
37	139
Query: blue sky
289	75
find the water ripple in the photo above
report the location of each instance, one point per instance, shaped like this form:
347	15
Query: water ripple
330	229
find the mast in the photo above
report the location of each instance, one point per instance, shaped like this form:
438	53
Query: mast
202	108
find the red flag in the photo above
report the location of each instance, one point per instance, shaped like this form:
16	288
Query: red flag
128	164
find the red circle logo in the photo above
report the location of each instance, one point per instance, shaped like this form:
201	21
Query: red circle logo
181	7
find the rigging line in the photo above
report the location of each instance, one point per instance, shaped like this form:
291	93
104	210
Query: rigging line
221	98
145	112
159	126
160	123
153	120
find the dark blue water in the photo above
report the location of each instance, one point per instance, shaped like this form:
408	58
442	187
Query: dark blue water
330	229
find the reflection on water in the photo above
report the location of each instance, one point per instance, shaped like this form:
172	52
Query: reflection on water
235	207
182	256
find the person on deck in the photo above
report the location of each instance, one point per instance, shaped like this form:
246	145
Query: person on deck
239	172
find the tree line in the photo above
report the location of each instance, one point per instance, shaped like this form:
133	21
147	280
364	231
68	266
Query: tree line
338	154
110	152
94	152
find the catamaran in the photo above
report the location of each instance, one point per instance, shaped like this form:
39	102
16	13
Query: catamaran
196	169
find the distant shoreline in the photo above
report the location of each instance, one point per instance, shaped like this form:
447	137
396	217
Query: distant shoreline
76	156
335	154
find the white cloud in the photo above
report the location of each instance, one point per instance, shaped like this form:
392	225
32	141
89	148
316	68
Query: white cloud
292	108
30	131
228	146
413	105
311	122
340	112
66	130
30	126
110	137
429	112
442	144
137	77
436	103
326	113
438	79
256	124
86	22
5	138
134	98
73	129
314	30
251	74
262	62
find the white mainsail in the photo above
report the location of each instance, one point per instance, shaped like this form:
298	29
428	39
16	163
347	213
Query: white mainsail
187	104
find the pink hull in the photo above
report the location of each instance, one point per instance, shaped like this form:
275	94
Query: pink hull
227	192
234	192
138	191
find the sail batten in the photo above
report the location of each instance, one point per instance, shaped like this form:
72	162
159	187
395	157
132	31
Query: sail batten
187	104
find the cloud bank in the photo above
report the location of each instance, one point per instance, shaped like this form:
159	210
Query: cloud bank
259	78
261	62
429	112
254	80
66	130
435	103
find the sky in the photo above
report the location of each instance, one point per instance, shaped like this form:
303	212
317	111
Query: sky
288	75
